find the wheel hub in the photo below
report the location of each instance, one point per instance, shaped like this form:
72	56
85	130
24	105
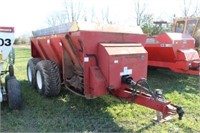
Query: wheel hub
29	74
1	97
39	79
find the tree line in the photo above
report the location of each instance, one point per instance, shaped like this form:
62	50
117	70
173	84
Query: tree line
76	10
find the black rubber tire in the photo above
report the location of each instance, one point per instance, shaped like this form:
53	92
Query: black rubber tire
197	39
8	77
31	65
11	70
48	79
14	94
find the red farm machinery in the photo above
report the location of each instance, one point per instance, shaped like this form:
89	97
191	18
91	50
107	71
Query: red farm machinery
10	91
174	51
92	60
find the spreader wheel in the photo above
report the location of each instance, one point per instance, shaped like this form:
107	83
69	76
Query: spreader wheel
11	70
31	71
48	79
14	93
8	77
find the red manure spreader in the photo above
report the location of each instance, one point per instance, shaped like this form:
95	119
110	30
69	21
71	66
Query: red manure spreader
92	60
175	51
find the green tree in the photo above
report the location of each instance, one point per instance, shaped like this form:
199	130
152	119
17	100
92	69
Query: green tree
150	28
17	41
147	24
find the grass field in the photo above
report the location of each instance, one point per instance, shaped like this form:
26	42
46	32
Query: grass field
70	113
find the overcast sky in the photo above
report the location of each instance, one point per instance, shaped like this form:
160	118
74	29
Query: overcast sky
29	15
